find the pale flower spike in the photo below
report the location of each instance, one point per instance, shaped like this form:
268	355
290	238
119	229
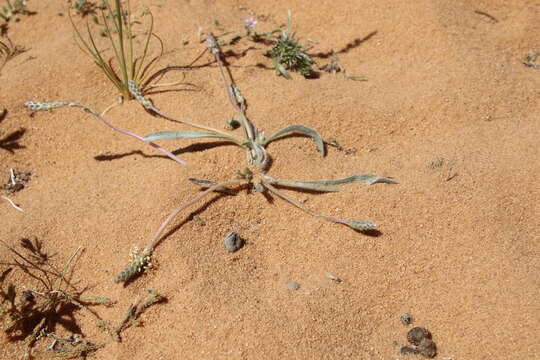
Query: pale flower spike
137	93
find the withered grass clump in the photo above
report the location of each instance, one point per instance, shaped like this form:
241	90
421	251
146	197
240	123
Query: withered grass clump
132	315
8	50
31	314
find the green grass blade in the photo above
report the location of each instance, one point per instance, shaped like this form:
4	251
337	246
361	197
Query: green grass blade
137	69
118	17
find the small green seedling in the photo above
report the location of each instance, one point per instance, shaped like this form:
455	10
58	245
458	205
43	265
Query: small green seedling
11	9
254	176
130	64
289	54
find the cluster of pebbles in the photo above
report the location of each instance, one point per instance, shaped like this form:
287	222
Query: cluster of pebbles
419	339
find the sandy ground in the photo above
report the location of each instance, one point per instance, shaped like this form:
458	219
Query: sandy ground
449	110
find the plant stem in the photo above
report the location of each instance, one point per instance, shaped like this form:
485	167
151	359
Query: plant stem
237	140
156	237
121	131
299	205
227	80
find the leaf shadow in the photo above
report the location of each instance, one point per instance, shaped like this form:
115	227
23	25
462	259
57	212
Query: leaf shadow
198	147
348	47
371	233
10	142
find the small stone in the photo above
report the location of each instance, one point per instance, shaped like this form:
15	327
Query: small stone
27	295
233	242
406	318
293	285
427	348
408	350
415	335
333	277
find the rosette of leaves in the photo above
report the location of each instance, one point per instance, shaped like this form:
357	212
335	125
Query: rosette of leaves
255	176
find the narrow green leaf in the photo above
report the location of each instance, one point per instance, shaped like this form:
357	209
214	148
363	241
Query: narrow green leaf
329	185
301	129
282	71
173	135
307	185
368	179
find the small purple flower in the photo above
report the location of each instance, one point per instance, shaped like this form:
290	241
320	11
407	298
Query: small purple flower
250	22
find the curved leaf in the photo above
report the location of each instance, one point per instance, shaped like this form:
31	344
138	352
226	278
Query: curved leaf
301	129
329	185
173	135
368	179
306	185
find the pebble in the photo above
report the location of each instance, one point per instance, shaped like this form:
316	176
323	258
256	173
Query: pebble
416	334
427	348
233	242
293	285
421	343
333	277
406	318
408	350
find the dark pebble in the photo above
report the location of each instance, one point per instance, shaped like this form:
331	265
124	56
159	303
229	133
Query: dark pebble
233	242
408	350
427	348
416	334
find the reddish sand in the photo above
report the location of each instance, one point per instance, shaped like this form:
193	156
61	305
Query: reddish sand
449	110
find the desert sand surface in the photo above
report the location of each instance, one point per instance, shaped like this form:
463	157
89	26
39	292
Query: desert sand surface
450	110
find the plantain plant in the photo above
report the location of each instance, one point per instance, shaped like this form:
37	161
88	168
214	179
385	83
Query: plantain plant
254	176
